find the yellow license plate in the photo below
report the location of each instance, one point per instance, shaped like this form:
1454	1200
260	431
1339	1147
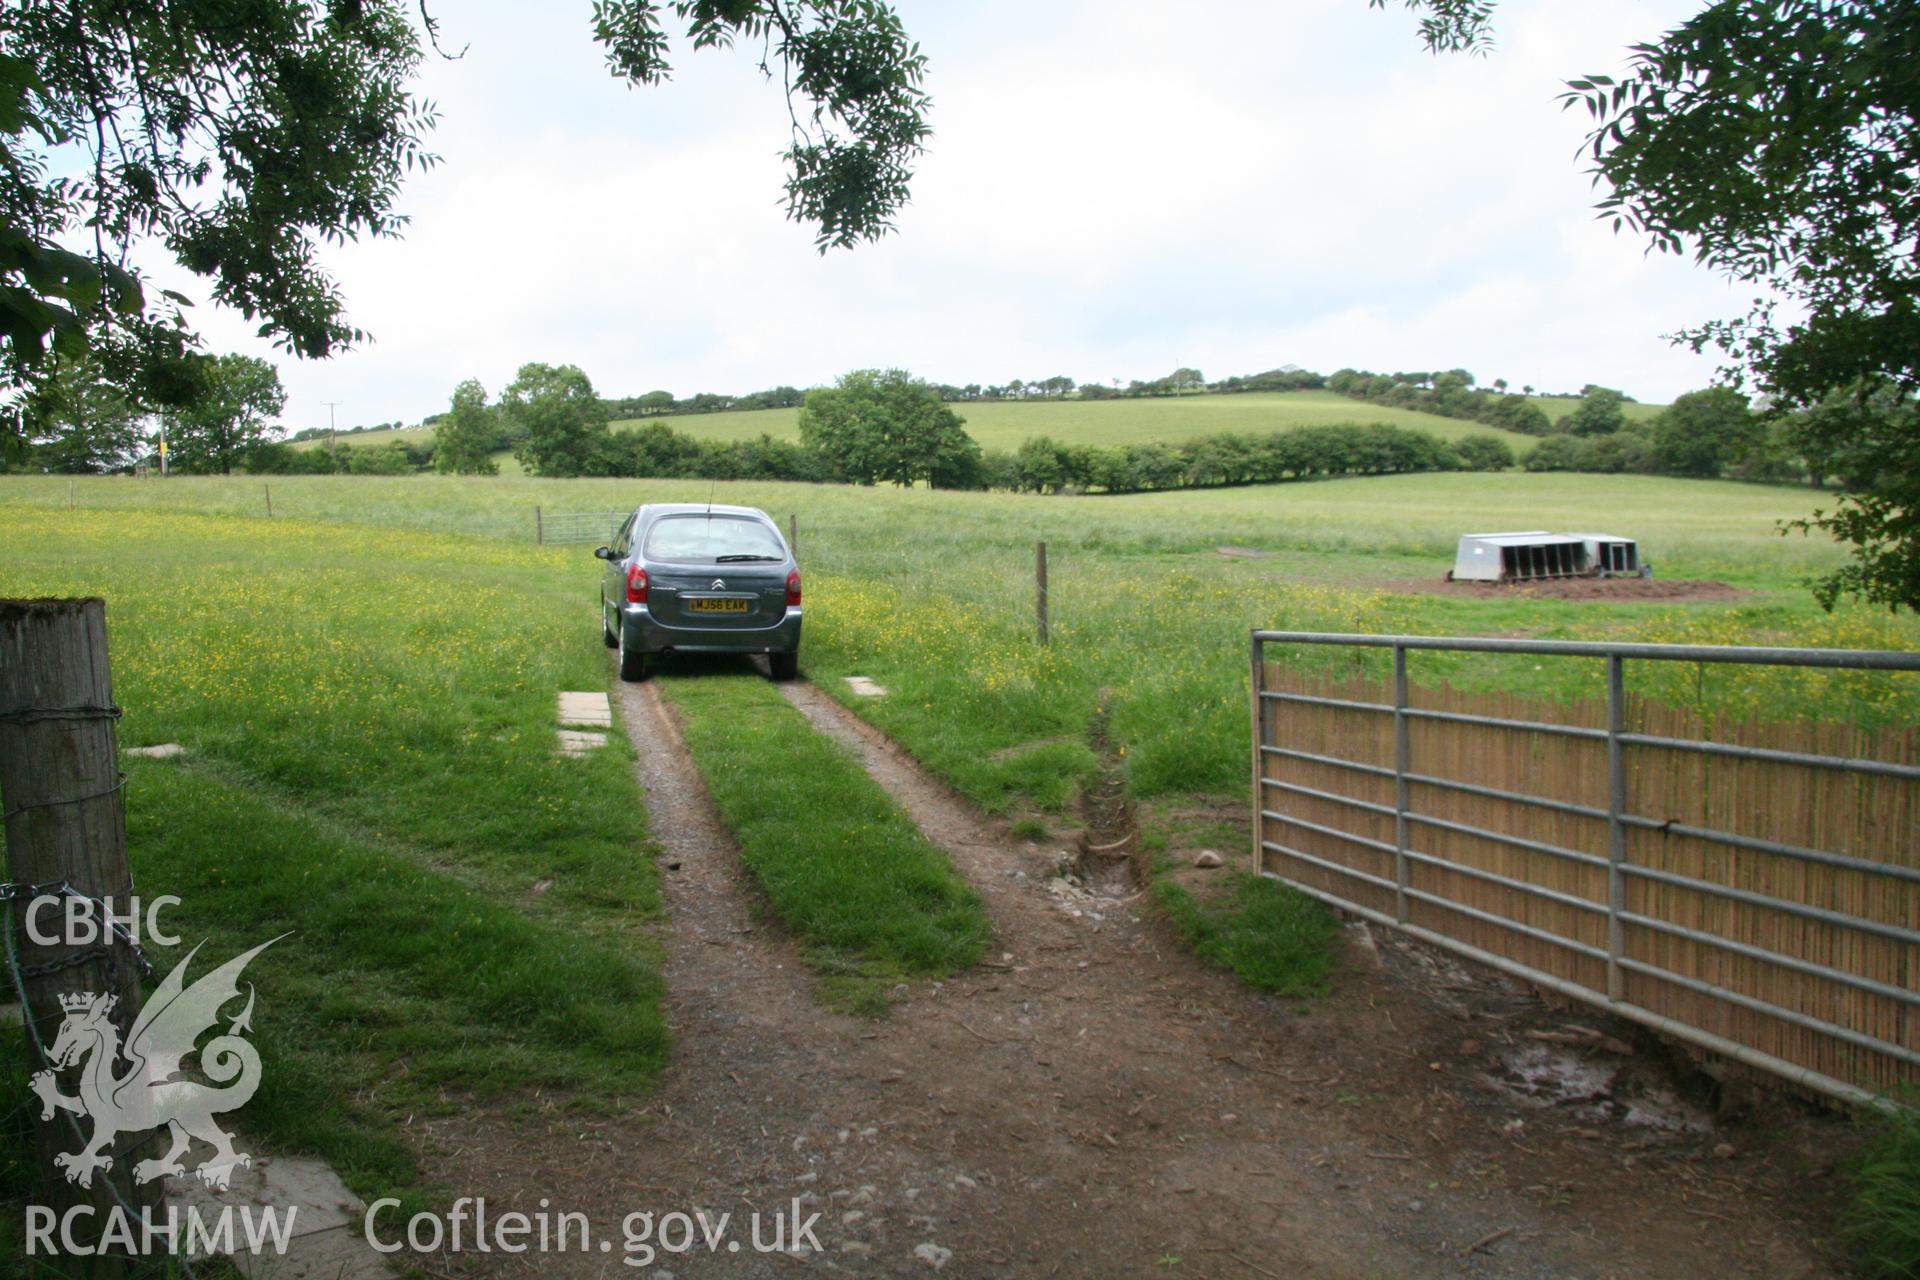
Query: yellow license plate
717	606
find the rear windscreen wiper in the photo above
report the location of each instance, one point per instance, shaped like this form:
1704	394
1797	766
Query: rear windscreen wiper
737	559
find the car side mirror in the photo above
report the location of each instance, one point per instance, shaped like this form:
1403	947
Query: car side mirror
604	553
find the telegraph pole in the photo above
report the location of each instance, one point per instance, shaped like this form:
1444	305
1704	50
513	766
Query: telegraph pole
333	436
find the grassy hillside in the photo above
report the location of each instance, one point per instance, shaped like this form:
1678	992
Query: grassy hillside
385	435
1558	407
1166	419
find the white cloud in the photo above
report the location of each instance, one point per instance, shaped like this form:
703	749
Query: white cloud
1113	189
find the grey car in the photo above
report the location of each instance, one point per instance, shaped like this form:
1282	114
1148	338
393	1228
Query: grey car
699	578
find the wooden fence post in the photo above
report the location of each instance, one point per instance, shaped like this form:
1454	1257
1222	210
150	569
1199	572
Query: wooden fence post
793	533
60	784
269	492
539	527
1040	590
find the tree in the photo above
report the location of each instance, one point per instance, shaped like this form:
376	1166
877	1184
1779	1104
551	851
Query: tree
562	423
1870	442
1598	413
1484	453
229	416
875	425
244	138
1703	432
81	423
1777	143
464	440
240	142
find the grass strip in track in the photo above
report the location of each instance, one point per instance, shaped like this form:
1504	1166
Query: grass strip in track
841	863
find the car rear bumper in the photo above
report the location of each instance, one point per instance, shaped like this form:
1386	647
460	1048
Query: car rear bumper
646	634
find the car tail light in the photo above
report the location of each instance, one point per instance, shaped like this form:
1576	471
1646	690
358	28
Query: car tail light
793	587
637	585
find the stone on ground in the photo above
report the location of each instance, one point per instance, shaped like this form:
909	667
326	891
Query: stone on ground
327	1241
587	709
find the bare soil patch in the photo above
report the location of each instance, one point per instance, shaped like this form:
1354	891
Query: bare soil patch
1095	1102
1667	589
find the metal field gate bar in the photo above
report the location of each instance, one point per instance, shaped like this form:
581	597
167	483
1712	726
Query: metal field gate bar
1752	890
576	526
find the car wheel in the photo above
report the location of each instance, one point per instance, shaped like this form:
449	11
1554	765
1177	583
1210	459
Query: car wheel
783	666
606	632
633	663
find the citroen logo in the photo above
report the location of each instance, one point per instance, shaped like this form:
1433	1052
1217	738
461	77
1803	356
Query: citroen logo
719	584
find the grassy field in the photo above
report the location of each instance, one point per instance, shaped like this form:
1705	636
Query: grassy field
1558	407
365	684
931	593
1165	419
368	717
1006	424
382	435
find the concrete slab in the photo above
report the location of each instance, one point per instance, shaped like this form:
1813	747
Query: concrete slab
165	751
584	708
574	742
327	1238
866	688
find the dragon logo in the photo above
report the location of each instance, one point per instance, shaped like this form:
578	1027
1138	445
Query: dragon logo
152	1092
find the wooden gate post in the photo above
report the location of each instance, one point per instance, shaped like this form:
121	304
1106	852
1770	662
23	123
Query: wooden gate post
60	785
1040	591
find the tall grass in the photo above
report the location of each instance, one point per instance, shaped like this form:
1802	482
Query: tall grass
1883	1220
368	717
1273	936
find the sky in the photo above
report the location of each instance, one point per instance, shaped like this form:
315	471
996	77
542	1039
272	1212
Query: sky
1113	189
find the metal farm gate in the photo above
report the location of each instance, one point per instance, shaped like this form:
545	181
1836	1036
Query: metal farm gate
1751	890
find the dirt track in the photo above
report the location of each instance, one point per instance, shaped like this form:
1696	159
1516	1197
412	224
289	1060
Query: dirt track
1093	1102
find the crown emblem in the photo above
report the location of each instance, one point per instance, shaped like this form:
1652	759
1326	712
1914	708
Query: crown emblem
74	1001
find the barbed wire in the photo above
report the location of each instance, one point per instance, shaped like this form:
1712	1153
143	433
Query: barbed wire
120	780
81	711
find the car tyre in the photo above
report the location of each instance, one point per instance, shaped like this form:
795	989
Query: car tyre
634	666
783	666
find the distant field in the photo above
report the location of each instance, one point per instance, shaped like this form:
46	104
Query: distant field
1164	419
1006	424
386	435
1558	407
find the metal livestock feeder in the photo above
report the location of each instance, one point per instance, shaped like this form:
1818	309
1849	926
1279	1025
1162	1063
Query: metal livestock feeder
1534	554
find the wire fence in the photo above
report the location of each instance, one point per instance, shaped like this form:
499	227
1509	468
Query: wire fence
1752	889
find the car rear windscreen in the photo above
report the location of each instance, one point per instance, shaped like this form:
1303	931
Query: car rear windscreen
698	536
